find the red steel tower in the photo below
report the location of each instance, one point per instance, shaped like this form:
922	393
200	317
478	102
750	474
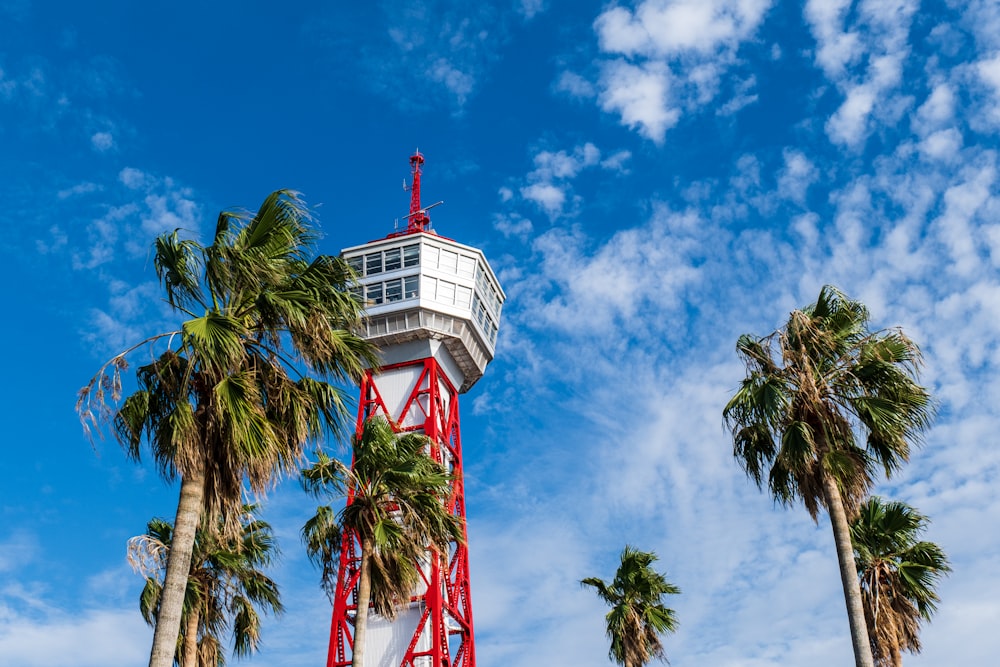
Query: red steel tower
433	308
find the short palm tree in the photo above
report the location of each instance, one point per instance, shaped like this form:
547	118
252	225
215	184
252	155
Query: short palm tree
225	400
638	616
826	402
396	510
226	588
898	574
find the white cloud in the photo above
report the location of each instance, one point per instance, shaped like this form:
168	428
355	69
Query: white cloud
56	242
574	85
798	174
837	48
18	547
562	165
601	293
547	196
460	84
531	8
169	211
662	28
102	141
433	52
513	225
864	60
617	161
164	206
655	310
640	95
942	145
743	96
79	189
668	56
938	108
962	201
849	125
133	178
989	72
548	185
7	86
86	638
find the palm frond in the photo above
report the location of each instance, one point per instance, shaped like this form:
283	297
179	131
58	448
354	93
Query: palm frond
838	384
637	617
225	587
396	509
898	574
177	262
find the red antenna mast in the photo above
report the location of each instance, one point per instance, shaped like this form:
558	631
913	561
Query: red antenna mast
417	220
418	216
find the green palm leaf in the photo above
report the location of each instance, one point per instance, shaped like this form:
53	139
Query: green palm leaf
230	404
638	616
898	573
825	404
396	511
225	593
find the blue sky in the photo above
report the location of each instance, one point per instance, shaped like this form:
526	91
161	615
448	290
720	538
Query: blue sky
649	179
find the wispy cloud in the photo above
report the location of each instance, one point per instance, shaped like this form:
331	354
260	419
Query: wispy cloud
549	185
863	51
432	53
629	339
102	141
663	58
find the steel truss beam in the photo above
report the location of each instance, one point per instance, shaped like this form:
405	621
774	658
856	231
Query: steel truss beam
431	408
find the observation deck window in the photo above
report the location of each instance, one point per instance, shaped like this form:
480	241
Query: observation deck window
381	261
411	255
392	259
394	290
487	291
411	287
484	318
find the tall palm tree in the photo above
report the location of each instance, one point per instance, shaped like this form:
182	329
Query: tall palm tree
638	616
825	403
898	574
225	399
226	588
395	508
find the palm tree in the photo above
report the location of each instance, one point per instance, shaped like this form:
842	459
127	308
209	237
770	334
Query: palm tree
898	574
395	509
638	616
225	588
228	401
827	401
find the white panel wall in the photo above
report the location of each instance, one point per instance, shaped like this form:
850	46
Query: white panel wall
387	642
395	387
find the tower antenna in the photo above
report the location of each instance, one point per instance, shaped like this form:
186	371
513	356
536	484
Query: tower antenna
418	218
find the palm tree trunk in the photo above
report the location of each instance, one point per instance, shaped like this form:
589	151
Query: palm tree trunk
191	640
848	573
364	599
168	619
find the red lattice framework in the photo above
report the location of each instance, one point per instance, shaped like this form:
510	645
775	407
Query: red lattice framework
431	408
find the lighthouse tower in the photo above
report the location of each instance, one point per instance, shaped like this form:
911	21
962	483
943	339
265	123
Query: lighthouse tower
433	309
